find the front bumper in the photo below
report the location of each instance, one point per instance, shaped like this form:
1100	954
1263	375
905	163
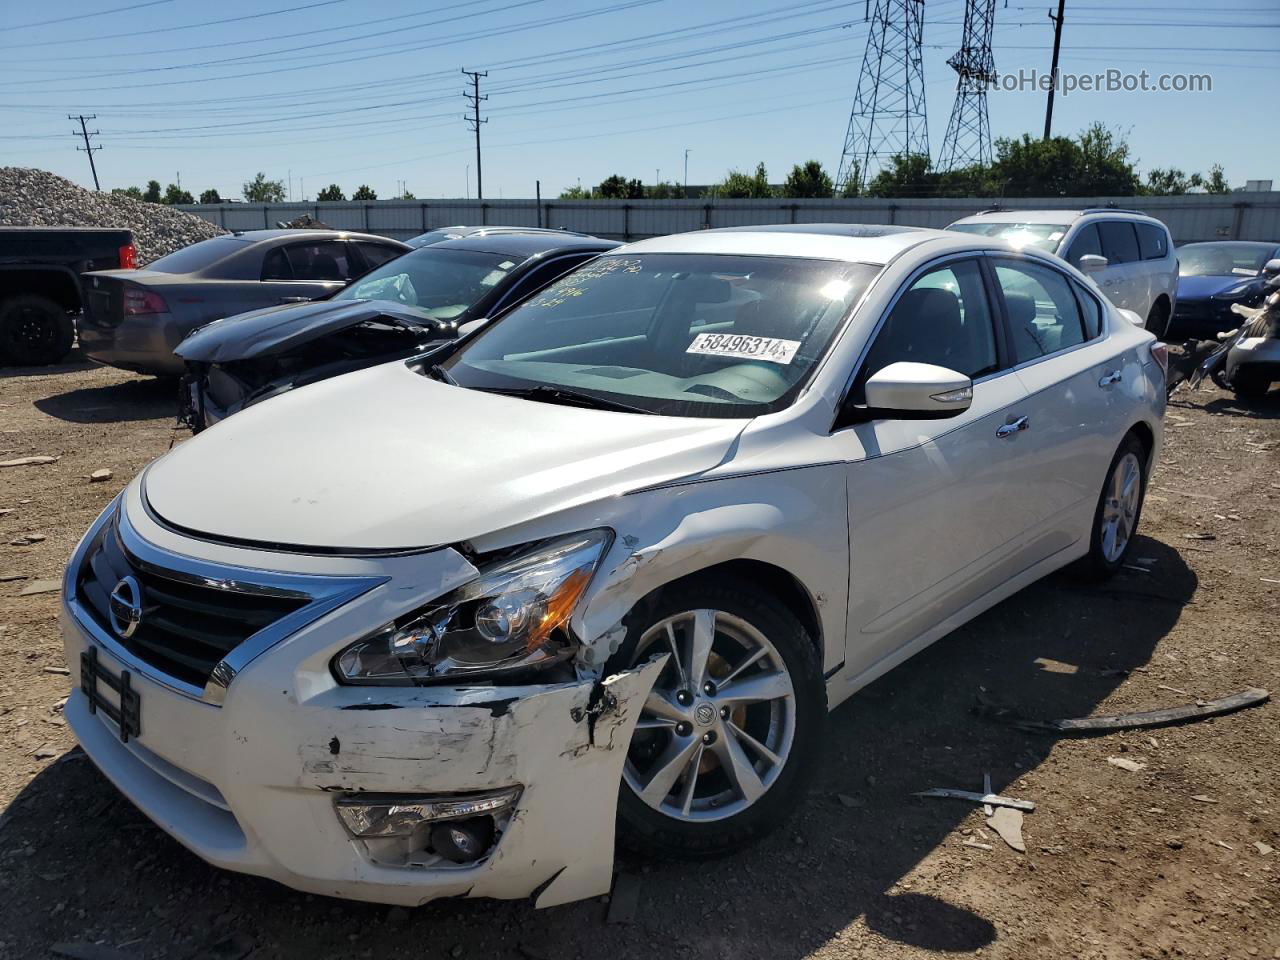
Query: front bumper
1255	353
250	783
143	344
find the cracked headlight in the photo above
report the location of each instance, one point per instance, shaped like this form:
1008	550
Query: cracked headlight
511	617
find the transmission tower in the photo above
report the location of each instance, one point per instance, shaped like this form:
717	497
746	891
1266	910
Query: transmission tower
968	138
888	117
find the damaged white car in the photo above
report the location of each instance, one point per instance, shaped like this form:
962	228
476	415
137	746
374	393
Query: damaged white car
434	628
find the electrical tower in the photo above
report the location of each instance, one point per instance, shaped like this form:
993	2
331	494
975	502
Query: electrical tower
474	98
84	132
888	117
968	138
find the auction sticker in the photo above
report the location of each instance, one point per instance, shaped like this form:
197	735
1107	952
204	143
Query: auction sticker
744	347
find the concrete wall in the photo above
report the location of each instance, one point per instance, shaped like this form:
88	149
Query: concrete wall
1233	216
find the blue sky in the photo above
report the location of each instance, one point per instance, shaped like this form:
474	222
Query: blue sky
369	91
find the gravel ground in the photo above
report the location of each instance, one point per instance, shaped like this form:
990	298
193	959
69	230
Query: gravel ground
1180	858
36	198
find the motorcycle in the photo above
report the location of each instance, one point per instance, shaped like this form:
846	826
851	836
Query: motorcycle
1247	361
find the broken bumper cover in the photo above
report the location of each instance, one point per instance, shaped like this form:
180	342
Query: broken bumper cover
252	784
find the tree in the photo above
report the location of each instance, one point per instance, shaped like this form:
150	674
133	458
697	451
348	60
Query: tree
665	191
153	192
364	192
406	196
742	185
808	180
1216	182
908	175
578	192
331	192
210	196
1105	167
618	187
134	192
175	194
262	190
1170	182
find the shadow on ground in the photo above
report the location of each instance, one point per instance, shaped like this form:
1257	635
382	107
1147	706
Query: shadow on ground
1055	650
146	398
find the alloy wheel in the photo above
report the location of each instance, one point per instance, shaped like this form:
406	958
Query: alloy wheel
1120	507
718	726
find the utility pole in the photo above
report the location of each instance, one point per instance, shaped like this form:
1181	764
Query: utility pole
84	132
475	121
1053	70
686	173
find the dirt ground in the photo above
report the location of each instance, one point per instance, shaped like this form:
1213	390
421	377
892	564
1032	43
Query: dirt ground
1171	860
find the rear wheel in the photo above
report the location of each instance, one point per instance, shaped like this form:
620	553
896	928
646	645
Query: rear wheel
1115	521
34	330
727	739
1250	384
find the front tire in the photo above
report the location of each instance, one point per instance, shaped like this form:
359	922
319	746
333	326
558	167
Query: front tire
728	738
1250	384
1115	521
34	331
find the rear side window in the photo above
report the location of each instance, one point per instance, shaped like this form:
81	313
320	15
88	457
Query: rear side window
198	255
1086	242
1044	316
1090	311
1119	242
1153	242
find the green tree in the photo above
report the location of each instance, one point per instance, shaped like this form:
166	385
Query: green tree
1170	182
808	180
1216	182
210	196
134	192
907	175
743	185
262	190
364	192
1105	167
664	191
406	196
175	194
618	187
331	192
153	192
577	192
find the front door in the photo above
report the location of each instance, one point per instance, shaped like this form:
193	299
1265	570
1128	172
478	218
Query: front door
936	507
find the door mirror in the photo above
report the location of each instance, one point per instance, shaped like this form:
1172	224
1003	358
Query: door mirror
1271	268
917	391
1092	263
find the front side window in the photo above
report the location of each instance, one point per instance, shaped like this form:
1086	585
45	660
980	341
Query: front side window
322	260
1085	242
677	334
942	319
1119	242
441	283
376	254
1044	316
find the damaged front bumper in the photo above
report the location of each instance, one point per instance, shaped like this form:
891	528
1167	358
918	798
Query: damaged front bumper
289	775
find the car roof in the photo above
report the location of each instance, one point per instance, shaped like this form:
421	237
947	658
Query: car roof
858	243
307	233
1052	216
1255	244
524	244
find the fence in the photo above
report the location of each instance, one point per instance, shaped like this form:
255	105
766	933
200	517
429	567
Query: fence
1233	216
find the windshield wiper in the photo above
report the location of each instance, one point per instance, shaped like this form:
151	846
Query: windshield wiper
569	398
438	372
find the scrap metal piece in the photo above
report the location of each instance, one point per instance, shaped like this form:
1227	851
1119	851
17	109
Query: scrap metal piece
1128	721
1008	825
994	799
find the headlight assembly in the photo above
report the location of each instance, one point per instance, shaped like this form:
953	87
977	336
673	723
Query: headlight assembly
511	617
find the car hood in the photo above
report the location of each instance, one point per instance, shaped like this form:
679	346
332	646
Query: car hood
1198	288
388	459
277	329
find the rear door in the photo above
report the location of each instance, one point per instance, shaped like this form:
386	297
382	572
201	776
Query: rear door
1123	281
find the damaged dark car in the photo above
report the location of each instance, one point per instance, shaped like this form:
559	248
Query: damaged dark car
397	310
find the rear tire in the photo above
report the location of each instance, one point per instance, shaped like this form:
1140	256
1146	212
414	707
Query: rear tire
1115	521
727	741
34	330
1250	384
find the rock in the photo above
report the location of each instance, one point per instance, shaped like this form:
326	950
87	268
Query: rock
1173	843
456	951
40	586
625	901
99	475
1133	766
45	752
6	512
37	198
1201	798
1007	824
848	801
26	539
25	461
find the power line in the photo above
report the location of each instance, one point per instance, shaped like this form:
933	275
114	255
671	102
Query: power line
85	16
84	132
475	121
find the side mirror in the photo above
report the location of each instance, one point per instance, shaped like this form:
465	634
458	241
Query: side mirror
918	391
1271	268
1092	263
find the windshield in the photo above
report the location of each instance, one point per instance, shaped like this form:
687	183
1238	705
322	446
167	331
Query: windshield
1046	236
198	255
692	335
1223	259
441	283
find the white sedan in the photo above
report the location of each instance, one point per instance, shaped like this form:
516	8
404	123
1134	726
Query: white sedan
435	628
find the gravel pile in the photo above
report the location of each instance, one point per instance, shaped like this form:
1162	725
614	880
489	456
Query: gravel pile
37	198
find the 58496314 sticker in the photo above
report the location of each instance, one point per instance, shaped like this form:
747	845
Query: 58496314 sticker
743	347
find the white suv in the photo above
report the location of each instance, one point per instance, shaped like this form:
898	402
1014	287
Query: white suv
1128	254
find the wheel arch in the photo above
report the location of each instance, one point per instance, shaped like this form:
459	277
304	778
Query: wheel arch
1146	436
59	284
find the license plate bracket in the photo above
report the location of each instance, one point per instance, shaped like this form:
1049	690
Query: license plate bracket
128	715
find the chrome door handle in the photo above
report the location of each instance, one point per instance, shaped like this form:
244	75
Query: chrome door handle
1014	426
1115	376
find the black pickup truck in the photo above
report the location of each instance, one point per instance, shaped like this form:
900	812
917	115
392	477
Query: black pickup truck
40	271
